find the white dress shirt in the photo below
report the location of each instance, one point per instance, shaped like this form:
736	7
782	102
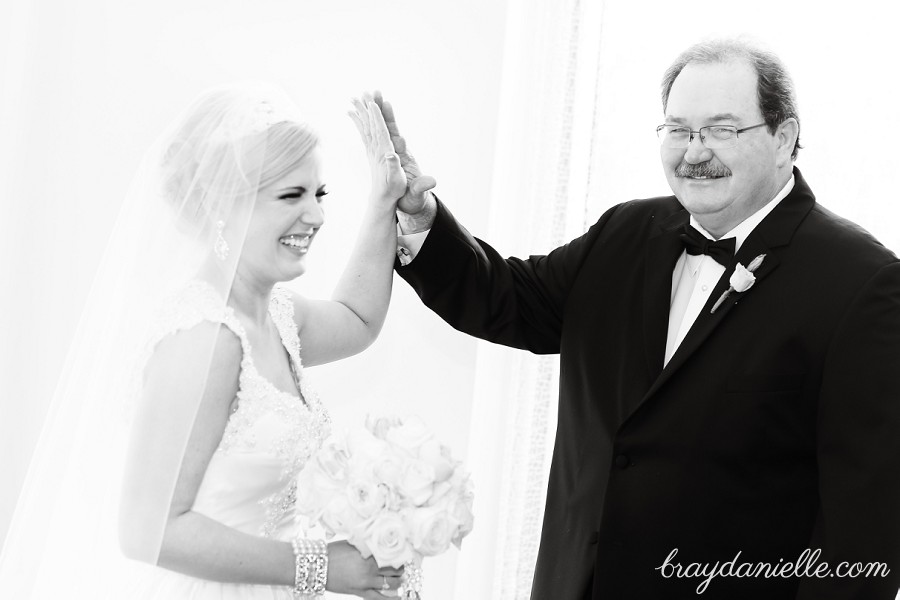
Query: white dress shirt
693	277
408	245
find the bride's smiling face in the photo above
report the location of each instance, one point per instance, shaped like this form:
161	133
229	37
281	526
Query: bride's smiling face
286	216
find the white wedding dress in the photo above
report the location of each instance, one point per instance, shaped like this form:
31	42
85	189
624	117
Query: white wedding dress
250	483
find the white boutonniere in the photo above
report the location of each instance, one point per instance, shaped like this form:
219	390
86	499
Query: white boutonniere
741	280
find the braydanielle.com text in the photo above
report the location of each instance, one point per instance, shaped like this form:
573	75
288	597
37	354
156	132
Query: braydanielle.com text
807	565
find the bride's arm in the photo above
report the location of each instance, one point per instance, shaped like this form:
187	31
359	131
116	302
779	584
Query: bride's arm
184	409
352	319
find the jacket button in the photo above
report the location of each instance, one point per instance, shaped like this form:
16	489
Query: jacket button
622	461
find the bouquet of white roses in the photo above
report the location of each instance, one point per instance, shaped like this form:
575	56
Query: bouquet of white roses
391	489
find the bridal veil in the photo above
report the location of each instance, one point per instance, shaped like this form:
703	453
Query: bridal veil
107	460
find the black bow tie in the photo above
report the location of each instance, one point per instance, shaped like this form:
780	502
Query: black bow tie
722	251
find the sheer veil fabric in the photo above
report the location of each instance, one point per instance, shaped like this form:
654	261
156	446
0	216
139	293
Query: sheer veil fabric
108	458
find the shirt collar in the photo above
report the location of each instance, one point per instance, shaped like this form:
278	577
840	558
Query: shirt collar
743	229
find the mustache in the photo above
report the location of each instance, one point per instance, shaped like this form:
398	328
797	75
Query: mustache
703	169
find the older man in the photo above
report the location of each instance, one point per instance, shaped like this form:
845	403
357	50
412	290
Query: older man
729	404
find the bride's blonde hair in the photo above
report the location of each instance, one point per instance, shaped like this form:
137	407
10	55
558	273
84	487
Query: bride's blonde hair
230	143
288	144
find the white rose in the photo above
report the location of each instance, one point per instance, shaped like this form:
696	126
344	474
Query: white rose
461	511
440	494
389	474
433	453
386	538
364	449
417	481
340	518
431	530
334	460
742	279
366	497
395	501
379	426
409	435
315	489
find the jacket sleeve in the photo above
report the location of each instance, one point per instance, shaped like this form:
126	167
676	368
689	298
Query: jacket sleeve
515	302
858	450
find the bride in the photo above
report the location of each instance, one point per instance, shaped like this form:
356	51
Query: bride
184	414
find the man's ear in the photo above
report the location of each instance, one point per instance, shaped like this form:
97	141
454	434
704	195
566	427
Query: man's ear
786	136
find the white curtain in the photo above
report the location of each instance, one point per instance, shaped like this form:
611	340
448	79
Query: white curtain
546	139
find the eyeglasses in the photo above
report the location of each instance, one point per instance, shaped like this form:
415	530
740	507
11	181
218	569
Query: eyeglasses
714	137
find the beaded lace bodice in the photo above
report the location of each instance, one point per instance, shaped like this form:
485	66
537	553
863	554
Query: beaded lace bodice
250	483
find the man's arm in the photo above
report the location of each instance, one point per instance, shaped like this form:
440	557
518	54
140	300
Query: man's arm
514	302
859	449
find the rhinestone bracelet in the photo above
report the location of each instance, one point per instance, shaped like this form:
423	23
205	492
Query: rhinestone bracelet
310	568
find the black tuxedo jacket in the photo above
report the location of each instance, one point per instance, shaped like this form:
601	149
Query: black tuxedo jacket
774	429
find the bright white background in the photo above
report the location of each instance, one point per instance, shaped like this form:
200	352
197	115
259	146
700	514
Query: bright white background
85	87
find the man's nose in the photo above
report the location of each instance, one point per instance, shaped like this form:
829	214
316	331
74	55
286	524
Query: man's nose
696	152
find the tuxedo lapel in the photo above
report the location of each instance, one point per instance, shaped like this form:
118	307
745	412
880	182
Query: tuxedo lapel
770	237
707	321
663	249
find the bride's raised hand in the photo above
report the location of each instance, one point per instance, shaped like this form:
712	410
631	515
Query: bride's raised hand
388	178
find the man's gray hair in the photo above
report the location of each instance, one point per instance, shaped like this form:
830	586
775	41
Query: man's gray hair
774	86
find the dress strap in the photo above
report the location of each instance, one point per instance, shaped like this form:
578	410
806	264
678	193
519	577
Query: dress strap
281	308
195	303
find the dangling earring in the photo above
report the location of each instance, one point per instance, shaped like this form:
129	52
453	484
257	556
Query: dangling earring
221	246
